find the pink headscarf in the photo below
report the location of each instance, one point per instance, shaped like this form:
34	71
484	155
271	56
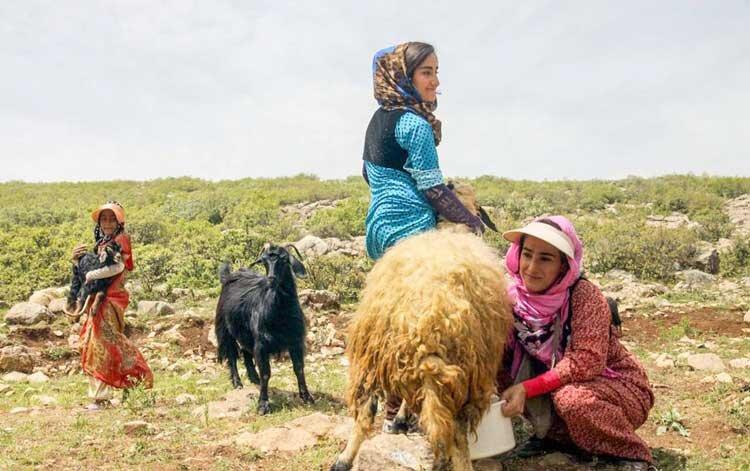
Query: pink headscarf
535	313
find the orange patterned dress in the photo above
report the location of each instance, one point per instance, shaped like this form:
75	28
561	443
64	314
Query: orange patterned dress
107	355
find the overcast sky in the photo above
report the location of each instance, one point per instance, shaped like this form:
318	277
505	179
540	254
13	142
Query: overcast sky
142	89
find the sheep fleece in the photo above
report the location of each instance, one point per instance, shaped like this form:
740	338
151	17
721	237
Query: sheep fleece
434	309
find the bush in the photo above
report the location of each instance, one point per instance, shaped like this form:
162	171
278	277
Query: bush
344	221
647	252
337	273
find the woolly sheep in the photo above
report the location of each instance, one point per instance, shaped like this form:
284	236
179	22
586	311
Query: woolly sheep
430	328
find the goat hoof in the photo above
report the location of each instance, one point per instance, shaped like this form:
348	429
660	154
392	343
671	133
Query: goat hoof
340	466
307	398
254	379
263	408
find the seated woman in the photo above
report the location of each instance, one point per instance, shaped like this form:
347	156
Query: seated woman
401	162
564	367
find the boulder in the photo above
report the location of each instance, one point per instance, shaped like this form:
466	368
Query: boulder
311	245
673	221
746	319
319	299
706	362
15	377
57	305
740	363
154	308
39	331
27	314
394	452
692	279
707	259
38	378
16	358
738	210
40	297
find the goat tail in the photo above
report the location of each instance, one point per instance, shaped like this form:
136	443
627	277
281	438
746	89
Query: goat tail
224	271
442	394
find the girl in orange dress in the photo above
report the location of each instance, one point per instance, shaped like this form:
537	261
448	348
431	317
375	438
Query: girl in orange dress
108	357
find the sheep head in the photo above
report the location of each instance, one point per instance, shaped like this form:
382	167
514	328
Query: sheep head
277	259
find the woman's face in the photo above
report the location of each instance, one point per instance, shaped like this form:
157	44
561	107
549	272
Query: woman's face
108	222
541	264
425	78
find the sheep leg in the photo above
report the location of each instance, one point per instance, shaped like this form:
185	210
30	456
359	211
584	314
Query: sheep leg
252	373
401	421
459	455
363	419
264	365
298	363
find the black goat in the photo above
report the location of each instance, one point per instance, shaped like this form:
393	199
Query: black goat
80	290
263	315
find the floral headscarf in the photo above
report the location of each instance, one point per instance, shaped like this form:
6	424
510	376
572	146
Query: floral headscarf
394	89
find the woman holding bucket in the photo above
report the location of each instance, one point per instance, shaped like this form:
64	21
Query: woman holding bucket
565	368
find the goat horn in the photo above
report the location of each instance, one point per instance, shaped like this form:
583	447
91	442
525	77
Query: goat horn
299	256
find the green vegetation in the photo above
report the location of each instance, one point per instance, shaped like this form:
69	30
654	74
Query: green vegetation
182	228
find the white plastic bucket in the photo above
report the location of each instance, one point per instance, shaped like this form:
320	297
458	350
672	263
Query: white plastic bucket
494	434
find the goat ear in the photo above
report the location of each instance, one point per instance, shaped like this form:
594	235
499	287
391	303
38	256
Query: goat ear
486	219
297	267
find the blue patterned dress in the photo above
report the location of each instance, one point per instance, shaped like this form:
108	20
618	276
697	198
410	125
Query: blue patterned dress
398	208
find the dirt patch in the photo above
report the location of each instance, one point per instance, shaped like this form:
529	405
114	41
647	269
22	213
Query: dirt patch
706	320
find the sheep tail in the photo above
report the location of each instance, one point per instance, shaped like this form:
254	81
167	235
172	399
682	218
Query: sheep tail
224	271
442	394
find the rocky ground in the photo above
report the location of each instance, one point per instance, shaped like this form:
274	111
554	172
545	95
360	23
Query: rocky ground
693	338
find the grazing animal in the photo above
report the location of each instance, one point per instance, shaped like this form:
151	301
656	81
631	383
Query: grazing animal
80	291
260	315
430	328
466	195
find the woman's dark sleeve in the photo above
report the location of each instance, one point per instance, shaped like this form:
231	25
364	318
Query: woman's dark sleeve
447	204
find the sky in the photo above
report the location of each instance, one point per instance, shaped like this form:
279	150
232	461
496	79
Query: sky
144	89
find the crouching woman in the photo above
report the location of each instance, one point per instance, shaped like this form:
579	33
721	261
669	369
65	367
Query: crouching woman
108	357
566	369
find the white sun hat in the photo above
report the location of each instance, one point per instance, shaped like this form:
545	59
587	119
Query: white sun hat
545	232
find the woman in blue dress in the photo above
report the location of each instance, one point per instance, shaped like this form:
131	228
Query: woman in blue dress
400	158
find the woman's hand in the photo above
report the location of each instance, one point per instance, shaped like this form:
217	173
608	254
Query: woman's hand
78	252
515	397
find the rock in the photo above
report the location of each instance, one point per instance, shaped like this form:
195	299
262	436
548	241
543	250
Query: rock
706	362
394	452
319	299
555	460
16	358
27	314
212	337
154	308
331	351
38	378
740	363
15	377
46	400
664	361
738	210
318	424
488	464
135	427
747	317
311	245
39	331
673	221
185	398
724	378
278	439
4	387
232	405
19	410
173	335
692	279
56	306
707	259
41	297
620	275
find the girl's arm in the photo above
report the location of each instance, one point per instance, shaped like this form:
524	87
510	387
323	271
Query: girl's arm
105	272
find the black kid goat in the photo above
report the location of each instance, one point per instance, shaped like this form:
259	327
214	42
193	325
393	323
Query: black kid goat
261	316
79	297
